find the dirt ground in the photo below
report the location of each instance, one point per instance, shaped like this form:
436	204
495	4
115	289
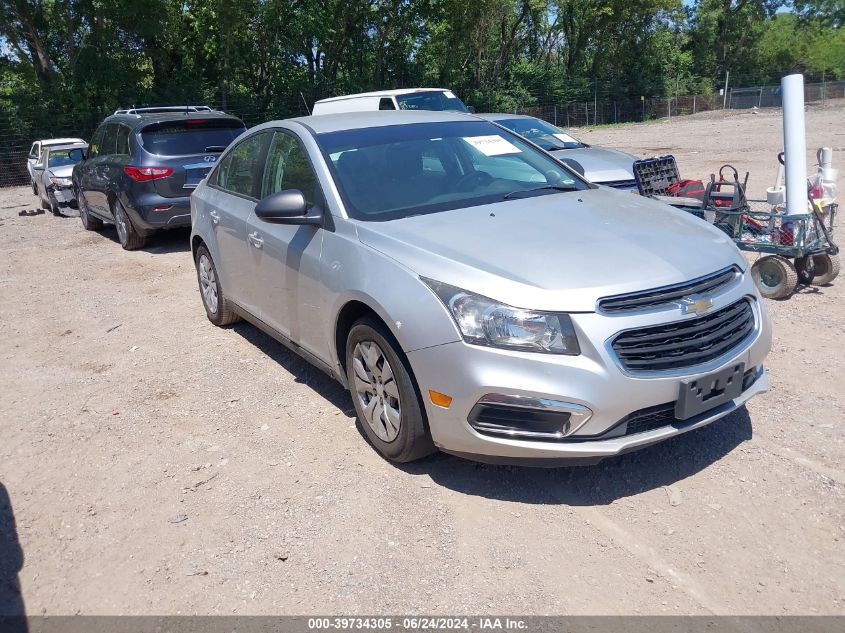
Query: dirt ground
156	464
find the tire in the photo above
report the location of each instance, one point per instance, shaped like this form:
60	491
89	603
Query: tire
217	306
378	374
45	204
89	222
826	267
34	187
774	276
54	205
806	269
130	238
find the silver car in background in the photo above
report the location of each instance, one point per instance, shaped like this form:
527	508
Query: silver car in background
601	165
473	293
51	176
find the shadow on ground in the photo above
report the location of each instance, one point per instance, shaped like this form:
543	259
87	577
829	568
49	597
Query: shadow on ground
162	242
615	478
11	562
659	465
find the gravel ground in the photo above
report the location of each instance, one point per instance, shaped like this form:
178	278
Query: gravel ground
156	464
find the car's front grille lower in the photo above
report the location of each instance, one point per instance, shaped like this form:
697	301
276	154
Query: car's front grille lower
669	295
687	343
620	184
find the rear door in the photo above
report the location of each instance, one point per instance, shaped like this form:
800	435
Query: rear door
189	147
230	199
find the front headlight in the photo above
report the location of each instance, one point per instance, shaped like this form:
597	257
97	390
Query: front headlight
483	321
60	182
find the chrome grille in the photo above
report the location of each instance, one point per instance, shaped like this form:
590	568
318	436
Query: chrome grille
686	343
669	295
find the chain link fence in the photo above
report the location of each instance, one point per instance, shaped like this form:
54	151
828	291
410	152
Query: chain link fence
15	143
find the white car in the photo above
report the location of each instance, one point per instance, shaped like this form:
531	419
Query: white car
437	99
38	147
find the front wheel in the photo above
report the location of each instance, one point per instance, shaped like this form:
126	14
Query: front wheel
775	276
130	238
384	394
89	222
54	204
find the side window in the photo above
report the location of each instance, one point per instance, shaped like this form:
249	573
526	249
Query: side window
96	141
386	103
33	152
122	140
239	171
107	146
288	168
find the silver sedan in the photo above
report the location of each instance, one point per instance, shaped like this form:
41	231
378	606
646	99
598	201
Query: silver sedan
51	176
601	165
474	294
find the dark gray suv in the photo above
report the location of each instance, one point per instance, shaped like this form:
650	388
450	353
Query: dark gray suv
142	165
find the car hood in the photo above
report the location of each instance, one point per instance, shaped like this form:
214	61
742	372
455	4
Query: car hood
558	252
600	163
64	171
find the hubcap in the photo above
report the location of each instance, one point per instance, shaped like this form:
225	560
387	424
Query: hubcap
376	390
208	284
771	275
120	223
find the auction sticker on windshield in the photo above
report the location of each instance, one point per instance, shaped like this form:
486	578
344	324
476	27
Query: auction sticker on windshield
565	138
493	145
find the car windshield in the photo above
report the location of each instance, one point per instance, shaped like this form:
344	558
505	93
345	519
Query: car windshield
61	157
431	100
546	135
191	136
397	171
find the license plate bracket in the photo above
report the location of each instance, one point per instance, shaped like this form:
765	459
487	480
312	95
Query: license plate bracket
710	391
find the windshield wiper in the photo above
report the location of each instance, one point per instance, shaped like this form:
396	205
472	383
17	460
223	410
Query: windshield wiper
508	196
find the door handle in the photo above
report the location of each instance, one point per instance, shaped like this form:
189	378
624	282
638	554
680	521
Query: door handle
215	217
255	240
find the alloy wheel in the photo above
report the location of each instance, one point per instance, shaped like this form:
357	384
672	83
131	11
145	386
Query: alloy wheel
208	284
120	223
376	390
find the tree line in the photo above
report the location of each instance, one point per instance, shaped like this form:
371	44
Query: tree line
72	61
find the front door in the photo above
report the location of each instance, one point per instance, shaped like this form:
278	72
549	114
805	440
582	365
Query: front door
286	258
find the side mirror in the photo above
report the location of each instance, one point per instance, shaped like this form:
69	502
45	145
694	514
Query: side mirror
38	167
288	207
573	165
77	154
471	109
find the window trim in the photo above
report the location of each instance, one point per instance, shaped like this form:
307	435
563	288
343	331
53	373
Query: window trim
262	160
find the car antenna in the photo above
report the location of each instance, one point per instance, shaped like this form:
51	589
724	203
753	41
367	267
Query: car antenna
305	103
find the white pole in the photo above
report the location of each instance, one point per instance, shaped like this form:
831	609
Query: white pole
794	144
725	98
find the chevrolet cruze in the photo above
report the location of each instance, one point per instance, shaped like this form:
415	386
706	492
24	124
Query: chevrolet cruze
472	293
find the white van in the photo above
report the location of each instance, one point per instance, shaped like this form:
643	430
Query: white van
438	99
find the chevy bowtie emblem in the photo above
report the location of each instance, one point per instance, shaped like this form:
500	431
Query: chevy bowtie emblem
695	304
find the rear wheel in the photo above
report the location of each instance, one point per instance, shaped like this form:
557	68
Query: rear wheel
775	276
384	394
826	269
130	238
89	222
217	307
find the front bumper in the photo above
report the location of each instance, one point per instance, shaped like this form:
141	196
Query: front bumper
592	379
64	196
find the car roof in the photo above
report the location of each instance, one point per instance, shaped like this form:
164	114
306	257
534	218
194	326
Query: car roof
383	93
60	141
51	148
162	117
322	123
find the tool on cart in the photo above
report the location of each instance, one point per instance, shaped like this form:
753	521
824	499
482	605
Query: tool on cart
793	226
